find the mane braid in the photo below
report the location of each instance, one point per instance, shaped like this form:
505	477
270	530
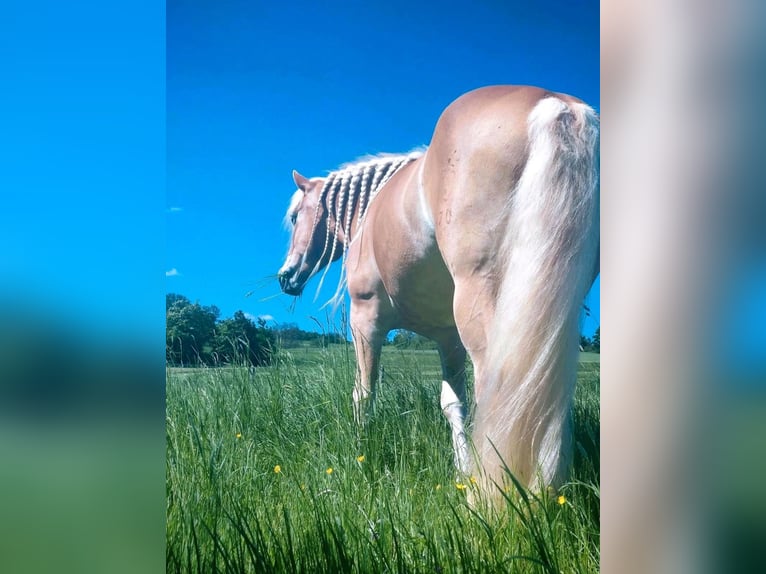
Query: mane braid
393	168
327	196
365	187
380	171
330	189
353	203
366	184
354	193
342	200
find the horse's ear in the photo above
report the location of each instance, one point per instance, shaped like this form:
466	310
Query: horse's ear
300	181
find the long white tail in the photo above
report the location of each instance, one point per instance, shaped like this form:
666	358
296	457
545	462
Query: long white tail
548	262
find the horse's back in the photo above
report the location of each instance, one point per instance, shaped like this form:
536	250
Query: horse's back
493	102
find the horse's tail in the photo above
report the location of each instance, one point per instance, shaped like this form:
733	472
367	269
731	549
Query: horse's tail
547	263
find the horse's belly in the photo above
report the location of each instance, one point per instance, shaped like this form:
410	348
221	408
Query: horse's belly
421	291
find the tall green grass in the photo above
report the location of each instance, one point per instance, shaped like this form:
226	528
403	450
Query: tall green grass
379	499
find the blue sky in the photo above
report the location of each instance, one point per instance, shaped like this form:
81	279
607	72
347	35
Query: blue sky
255	90
83	164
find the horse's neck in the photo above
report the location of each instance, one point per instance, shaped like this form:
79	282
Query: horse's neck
349	191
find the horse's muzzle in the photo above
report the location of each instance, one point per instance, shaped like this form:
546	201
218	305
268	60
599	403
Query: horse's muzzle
288	284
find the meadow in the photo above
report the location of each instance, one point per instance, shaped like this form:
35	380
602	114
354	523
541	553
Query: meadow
266	472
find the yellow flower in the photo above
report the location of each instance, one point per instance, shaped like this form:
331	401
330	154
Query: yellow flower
329	470
561	499
239	435
303	487
438	487
473	480
360	458
277	469
460	486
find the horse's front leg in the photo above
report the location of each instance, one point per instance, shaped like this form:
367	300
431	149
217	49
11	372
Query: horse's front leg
368	335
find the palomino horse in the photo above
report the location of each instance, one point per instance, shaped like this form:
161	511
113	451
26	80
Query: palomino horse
487	242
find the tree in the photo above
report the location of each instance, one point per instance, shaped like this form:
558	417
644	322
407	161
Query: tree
190	329
240	341
175	299
596	341
403	339
195	336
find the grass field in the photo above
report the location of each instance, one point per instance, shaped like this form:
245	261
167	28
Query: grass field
266	472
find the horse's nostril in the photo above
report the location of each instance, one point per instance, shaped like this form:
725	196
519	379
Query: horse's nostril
284	277
286	272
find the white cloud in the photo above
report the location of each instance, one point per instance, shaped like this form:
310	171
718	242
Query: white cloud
175	209
172	273
266	318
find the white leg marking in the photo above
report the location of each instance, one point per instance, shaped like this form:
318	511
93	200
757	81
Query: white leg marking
453	410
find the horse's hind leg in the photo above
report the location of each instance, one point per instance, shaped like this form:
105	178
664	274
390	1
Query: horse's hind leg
453	395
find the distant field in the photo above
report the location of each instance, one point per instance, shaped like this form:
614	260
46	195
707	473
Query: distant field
249	485
392	356
590	357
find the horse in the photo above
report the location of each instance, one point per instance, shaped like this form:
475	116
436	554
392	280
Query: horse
486	242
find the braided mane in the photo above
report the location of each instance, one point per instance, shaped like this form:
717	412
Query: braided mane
347	192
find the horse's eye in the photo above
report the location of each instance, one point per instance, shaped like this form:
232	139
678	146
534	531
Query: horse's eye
293	218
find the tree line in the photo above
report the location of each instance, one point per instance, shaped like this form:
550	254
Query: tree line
290	336
196	335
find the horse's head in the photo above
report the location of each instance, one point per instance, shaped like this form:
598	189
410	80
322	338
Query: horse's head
313	231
